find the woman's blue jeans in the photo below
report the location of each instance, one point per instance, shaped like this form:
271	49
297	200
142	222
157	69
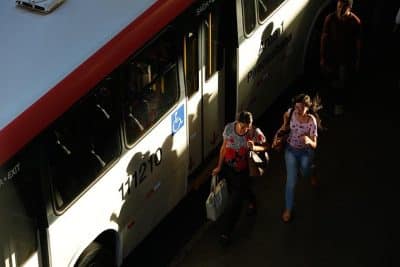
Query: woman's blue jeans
296	159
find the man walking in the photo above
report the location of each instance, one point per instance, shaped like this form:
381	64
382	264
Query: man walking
340	51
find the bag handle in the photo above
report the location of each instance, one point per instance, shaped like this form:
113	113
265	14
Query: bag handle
286	129
287	126
214	181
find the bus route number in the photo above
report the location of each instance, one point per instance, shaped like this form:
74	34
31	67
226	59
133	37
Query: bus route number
139	174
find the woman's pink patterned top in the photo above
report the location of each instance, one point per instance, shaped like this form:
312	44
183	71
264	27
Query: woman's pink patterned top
299	129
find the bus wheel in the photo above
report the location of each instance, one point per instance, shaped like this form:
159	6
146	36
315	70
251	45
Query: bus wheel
96	255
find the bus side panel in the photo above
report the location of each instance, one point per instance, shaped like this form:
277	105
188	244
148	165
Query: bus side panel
95	211
18	243
133	196
164	186
271	56
259	63
298	29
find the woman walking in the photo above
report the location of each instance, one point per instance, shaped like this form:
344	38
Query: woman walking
301	143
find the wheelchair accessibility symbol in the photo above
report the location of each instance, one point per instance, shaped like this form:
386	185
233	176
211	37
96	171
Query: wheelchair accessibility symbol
178	119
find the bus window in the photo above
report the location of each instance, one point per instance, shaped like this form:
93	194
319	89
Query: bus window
265	7
151	86
249	13
82	143
191	62
211	44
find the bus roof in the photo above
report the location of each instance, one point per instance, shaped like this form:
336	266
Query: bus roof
50	61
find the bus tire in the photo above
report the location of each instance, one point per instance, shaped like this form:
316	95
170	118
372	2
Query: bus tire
96	255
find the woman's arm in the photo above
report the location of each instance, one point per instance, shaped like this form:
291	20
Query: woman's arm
285	120
258	142
261	147
311	138
311	141
221	157
277	141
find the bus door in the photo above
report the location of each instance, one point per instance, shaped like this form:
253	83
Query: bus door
204	88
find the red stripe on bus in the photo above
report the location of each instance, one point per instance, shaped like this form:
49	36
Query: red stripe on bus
61	97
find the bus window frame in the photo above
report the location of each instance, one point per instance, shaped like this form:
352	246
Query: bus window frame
275	9
243	20
212	45
257	15
179	69
188	64
260	21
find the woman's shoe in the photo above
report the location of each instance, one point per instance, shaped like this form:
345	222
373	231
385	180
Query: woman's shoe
287	216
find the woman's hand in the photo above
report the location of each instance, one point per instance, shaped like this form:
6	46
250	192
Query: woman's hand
309	141
276	142
216	171
250	144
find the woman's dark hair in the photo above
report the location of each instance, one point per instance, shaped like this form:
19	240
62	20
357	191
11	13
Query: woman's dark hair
347	2
313	105
245	117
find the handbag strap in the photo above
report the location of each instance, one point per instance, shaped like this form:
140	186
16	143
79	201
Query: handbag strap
287	126
214	181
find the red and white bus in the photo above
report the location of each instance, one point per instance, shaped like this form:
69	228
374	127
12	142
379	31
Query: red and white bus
109	109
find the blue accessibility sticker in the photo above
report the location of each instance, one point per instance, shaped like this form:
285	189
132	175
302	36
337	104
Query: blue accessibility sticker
178	119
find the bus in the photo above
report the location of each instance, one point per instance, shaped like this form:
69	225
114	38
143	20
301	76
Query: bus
109	109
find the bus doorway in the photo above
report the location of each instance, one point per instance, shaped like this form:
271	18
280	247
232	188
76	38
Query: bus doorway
205	88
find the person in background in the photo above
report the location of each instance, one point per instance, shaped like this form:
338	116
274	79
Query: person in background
301	143
340	51
238	139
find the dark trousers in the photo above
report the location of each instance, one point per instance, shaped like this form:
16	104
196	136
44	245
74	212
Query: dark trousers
340	81
239	188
